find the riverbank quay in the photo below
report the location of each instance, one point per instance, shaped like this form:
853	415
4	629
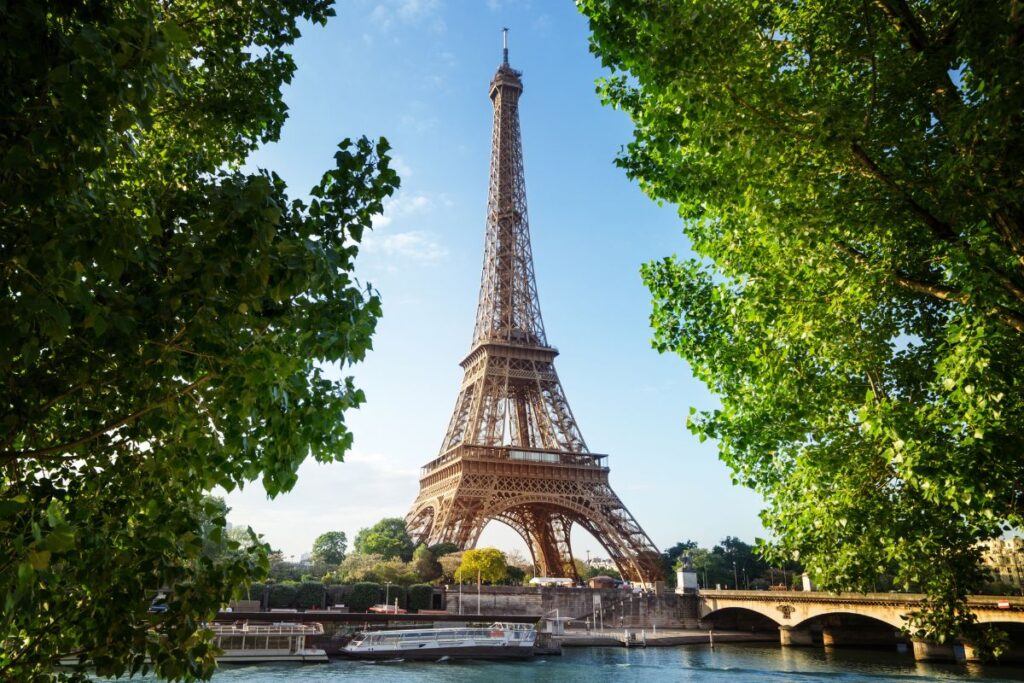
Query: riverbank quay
661	638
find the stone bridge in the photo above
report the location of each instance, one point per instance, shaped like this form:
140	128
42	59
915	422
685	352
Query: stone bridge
831	619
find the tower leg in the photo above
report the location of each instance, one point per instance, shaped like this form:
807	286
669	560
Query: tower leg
549	541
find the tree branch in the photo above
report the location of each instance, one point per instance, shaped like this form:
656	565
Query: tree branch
941	229
774	122
901	14
1012	233
13	434
946	94
1012	318
869	28
7	456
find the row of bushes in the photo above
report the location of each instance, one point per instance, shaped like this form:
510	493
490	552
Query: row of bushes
358	597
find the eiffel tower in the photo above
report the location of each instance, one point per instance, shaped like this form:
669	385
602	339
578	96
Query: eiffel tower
513	451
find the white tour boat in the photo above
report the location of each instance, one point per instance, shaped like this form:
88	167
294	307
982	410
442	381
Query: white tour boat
497	641
244	643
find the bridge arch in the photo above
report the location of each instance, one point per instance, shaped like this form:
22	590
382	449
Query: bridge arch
839	616
736	618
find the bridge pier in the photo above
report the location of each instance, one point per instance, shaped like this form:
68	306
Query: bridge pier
1014	655
795	637
971	653
930	651
842	636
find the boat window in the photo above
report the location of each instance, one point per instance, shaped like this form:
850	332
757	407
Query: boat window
278	642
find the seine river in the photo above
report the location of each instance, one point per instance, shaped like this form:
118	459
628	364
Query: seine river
726	664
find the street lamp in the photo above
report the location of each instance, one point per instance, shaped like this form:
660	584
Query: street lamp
746	581
458	577
735	577
387	597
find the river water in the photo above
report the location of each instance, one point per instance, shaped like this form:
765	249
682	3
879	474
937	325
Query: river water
726	664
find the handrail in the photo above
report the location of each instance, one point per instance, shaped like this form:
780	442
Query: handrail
283	629
517	454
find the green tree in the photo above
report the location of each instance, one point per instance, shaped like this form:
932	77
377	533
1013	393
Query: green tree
450	564
711	568
167	318
587	572
748	562
329	548
487	563
388	538
849	177
441	549
669	558
357	567
424	564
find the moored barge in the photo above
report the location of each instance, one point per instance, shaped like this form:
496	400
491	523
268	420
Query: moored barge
498	641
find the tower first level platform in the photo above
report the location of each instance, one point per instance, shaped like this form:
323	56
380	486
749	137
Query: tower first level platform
540	494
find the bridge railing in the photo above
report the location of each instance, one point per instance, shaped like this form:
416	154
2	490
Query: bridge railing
1012	601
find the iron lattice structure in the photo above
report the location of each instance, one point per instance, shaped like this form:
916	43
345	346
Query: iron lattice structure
513	451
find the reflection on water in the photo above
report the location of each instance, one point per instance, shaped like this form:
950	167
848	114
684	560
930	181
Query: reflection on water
724	664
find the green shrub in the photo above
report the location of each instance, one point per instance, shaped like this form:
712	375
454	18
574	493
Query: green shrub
421	596
396	591
339	594
364	596
256	591
282	595
310	595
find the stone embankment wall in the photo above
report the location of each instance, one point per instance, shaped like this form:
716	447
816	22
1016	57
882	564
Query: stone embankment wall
620	608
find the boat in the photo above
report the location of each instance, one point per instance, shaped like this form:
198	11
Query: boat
500	640
387	609
245	643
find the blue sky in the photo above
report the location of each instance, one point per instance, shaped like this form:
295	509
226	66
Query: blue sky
417	72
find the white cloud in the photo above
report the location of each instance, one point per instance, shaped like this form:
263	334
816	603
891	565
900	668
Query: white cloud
390	12
498	5
416	244
402	206
410	10
421	125
349	496
403	169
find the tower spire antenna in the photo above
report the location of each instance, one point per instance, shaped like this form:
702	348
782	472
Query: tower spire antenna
504	46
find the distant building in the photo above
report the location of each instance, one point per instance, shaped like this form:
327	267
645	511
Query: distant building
1004	559
600	563
306	558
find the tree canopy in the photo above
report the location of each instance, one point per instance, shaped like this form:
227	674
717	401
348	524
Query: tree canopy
387	538
849	175
329	548
167	317
425	564
486	563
